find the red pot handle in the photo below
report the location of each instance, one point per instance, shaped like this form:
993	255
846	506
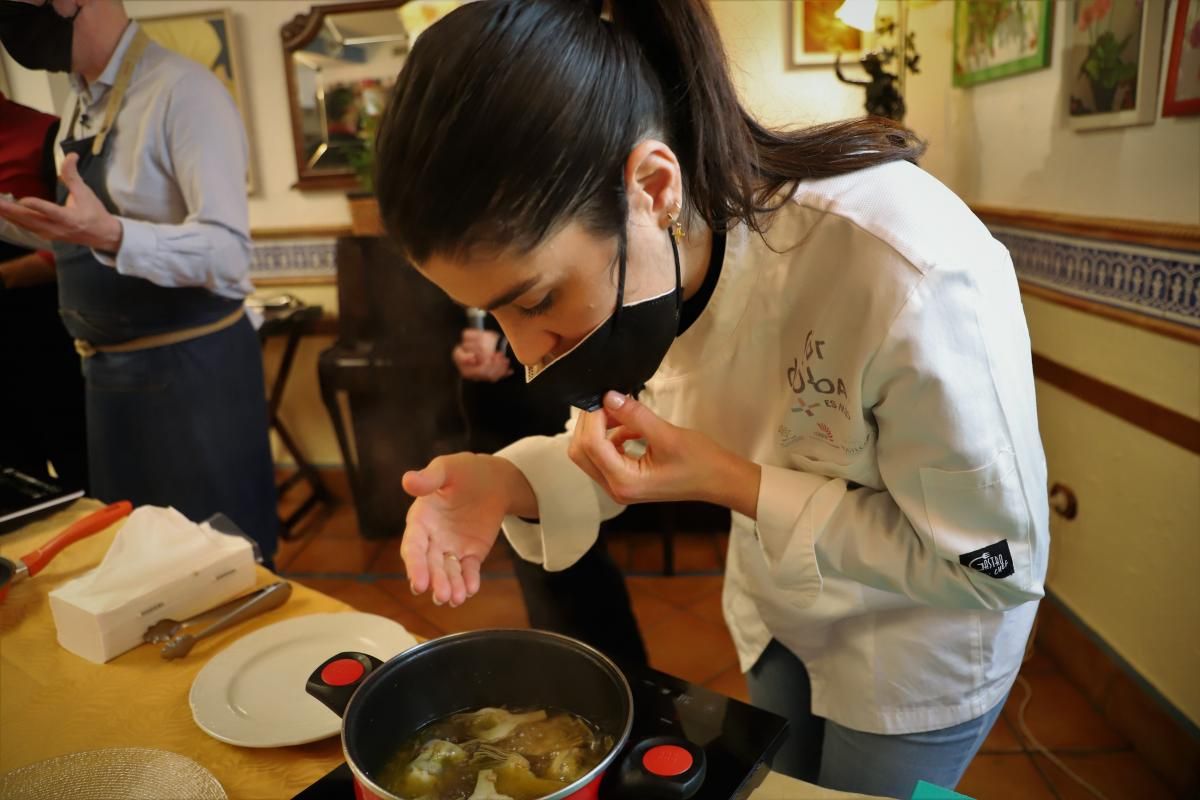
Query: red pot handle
91	524
334	682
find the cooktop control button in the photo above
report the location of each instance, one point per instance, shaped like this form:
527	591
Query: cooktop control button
667	760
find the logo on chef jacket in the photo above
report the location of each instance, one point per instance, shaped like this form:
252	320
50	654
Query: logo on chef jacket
995	560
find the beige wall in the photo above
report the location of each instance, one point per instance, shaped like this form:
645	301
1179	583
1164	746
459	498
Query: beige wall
1006	142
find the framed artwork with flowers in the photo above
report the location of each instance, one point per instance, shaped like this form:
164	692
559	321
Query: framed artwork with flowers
1182	93
1114	50
998	38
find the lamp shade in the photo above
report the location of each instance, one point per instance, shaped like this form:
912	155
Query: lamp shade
859	14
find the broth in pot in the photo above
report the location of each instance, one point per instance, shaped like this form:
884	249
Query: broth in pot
495	754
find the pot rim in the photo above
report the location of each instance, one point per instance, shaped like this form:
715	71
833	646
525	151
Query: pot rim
567	790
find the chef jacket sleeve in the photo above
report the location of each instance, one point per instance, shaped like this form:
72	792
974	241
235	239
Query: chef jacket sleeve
962	520
207	152
570	504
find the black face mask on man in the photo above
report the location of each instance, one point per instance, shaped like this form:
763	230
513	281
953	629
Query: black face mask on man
622	353
36	36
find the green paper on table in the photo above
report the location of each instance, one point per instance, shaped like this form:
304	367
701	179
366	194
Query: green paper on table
927	791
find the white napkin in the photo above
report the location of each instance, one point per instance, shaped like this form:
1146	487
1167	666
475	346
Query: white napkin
160	565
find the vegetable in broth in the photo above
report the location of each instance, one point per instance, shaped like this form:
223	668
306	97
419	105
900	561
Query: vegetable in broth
495	754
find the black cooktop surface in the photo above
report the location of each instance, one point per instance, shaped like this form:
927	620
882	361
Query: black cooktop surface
736	739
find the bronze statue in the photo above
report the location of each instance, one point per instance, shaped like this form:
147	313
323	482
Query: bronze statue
883	97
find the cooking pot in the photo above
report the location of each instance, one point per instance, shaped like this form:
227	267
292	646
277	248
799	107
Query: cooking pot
382	705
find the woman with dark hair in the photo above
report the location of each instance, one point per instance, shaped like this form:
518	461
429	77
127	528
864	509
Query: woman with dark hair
802	326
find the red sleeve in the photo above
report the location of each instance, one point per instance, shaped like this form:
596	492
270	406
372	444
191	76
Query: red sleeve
24	137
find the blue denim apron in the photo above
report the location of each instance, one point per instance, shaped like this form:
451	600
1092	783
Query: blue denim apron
181	425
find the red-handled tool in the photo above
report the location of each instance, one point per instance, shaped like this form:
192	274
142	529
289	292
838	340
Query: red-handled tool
35	562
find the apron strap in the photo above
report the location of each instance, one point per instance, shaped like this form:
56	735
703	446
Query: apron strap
133	54
86	349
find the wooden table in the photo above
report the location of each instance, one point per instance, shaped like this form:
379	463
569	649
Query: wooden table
53	702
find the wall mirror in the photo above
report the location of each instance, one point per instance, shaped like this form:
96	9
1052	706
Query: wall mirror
341	61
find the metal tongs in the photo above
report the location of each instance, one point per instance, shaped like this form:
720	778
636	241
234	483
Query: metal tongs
179	640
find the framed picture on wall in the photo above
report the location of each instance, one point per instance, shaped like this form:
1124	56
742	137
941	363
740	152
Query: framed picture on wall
1181	96
817	36
1114	50
998	38
208	38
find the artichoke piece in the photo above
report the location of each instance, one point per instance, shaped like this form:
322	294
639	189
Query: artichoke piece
493	724
566	766
422	773
485	787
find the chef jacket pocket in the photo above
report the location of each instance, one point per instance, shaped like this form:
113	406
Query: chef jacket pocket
977	514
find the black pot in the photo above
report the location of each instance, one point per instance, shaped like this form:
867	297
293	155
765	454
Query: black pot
384	704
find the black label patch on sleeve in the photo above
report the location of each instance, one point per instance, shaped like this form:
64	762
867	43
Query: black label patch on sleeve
995	560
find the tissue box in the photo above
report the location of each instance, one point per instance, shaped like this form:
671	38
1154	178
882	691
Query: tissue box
160	565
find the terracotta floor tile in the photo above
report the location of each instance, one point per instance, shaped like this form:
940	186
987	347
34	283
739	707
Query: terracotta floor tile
387	561
696	552
334	554
287	552
709	608
721	543
679	590
684	645
645	555
1001	739
340	520
1004	777
648	607
1119	776
1039	662
619	550
731	683
498	605
1060	717
500	560
372	599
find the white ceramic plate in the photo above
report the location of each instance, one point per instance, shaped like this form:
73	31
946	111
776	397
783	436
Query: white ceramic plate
252	693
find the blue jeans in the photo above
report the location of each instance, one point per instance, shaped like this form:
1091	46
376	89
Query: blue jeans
820	751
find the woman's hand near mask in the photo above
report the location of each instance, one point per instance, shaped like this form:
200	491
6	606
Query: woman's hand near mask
461	499
478	357
678	464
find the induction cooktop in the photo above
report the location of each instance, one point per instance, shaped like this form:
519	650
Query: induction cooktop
731	744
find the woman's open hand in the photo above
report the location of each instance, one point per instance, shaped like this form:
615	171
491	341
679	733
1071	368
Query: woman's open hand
461	500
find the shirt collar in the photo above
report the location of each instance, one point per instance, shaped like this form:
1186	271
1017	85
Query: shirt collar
94	91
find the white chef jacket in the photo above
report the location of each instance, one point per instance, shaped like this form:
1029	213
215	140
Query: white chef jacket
872	356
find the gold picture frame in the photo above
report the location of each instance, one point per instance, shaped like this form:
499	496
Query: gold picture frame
816	36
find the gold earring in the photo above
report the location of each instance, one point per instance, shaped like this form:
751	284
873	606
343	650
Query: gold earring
675	225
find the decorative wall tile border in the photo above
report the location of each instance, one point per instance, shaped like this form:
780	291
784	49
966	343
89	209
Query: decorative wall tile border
1157	283
294	258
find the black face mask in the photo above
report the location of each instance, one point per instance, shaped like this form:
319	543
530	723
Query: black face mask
621	354
36	36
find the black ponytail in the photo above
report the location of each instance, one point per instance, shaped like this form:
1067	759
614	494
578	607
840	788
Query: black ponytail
513	117
734	167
